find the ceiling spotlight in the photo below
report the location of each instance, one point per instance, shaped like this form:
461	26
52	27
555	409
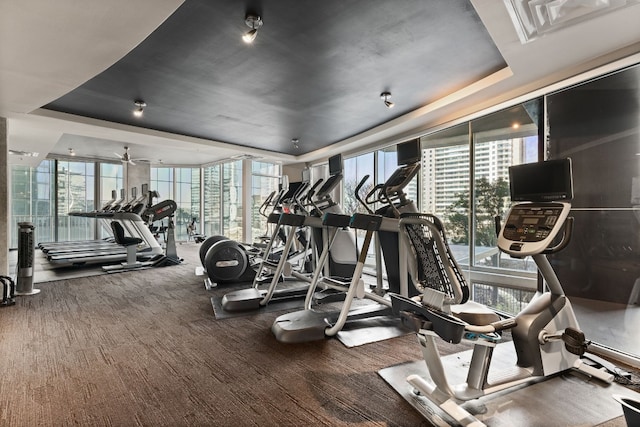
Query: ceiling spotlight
296	143
71	152
138	111
385	96
254	22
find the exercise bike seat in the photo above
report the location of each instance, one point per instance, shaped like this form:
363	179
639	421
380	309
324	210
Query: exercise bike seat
474	313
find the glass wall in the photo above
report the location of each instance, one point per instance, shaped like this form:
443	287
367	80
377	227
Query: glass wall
379	165
265	179
76	193
223	200
162	182
212	202
232	200
188	200
33	200
483	149
111	178
355	169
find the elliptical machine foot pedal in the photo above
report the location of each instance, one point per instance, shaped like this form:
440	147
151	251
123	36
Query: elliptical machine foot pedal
328	295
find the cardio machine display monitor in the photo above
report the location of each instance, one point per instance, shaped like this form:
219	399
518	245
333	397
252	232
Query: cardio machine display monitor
409	152
134	192
335	164
306	175
145	188
542	181
293	188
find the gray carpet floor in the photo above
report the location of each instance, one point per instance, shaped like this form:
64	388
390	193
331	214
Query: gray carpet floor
143	348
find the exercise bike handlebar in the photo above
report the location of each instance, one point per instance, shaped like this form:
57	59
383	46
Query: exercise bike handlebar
566	237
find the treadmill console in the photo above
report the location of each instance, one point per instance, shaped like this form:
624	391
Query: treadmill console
531	227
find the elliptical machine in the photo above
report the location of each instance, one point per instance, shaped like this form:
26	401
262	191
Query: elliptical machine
342	261
546	336
227	261
315	323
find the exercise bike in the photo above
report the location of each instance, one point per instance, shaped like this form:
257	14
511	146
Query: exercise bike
545	334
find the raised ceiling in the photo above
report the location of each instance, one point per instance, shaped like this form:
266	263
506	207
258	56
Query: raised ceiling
241	97
314	73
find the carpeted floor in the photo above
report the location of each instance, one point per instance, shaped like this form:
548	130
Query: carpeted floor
144	348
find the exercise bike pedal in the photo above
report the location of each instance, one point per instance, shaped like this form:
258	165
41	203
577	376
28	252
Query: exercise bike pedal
575	341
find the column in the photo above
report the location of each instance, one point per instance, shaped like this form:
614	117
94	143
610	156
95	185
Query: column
4	200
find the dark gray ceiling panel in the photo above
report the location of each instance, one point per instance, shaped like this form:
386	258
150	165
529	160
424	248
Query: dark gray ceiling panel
315	71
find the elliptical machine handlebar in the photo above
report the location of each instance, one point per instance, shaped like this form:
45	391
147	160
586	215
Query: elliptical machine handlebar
357	194
262	210
299	197
369	199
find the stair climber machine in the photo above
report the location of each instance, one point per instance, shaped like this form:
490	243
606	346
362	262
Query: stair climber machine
343	260
227	261
315	322
546	336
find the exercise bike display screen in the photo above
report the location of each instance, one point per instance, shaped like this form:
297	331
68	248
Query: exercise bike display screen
531	224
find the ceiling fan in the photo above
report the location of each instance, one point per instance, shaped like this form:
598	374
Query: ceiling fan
126	157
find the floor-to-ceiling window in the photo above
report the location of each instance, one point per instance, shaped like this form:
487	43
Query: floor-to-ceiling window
355	169
232	200
500	140
76	193
379	166
33	200
265	179
212	201
223	200
111	179
483	149
162	182
187	197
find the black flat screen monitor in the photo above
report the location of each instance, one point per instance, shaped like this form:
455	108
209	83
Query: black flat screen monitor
409	152
541	182
145	188
293	187
335	164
